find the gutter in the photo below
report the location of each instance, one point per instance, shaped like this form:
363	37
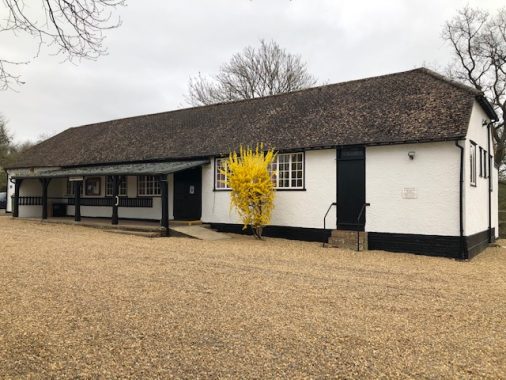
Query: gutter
461	201
489	110
283	150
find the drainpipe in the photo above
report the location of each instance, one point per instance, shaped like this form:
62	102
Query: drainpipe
461	199
489	186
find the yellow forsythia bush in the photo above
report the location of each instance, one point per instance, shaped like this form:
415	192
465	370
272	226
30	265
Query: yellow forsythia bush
248	176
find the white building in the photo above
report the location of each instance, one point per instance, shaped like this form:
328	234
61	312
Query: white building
406	157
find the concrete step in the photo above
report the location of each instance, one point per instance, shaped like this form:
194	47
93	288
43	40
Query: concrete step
178	223
127	228
199	232
100	224
135	233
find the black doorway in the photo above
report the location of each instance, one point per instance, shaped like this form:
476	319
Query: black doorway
188	194
350	188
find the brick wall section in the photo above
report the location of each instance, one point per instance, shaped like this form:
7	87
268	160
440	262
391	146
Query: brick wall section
348	240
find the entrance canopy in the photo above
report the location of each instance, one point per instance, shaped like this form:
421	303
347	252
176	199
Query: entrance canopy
151	168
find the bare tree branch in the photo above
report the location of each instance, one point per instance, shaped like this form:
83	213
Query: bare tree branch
252	73
478	41
72	28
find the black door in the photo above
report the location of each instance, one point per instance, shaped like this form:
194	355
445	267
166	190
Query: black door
188	194
350	188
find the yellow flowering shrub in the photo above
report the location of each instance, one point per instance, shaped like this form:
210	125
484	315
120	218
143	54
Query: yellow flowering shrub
248	176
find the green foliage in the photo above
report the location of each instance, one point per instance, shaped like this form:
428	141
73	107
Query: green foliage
502	199
5	146
8	151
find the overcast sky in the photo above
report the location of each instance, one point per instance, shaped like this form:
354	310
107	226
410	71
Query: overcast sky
162	43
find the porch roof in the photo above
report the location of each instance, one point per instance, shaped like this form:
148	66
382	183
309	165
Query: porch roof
150	168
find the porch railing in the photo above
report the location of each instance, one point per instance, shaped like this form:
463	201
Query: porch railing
109	202
30	201
144	202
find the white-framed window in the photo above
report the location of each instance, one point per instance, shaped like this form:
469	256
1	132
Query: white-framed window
70	188
472	163
148	185
220	179
287	172
109	186
481	161
485	165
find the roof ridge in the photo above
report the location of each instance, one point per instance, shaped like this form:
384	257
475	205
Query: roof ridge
238	101
452	82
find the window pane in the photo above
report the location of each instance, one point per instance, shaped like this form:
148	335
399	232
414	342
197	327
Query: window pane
290	170
108	186
156	186
142	185
472	163
273	170
221	178
284	170
123	189
70	188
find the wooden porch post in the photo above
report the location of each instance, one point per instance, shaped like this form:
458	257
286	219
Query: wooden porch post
164	222
15	208
115	194
45	184
77	200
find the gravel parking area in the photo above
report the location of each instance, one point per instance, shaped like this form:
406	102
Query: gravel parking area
78	302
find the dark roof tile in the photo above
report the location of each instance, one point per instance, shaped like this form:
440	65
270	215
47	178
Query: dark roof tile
415	105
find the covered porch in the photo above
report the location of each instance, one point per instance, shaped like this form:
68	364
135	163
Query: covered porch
125	195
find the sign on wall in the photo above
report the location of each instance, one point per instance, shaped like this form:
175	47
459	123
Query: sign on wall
409	193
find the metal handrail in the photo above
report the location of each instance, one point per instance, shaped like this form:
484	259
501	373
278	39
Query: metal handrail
358	221
325	218
362	211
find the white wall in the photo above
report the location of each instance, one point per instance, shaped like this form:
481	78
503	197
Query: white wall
495	200
433	177
10	192
292	208
476	197
30	187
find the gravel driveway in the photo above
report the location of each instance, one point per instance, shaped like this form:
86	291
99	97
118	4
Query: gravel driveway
78	302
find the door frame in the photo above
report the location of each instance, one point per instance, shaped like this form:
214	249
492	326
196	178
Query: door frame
339	150
174	200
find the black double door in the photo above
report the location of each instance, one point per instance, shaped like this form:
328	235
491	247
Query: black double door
188	194
351	188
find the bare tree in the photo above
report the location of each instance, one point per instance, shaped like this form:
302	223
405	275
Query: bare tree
254	72
5	147
72	28
479	45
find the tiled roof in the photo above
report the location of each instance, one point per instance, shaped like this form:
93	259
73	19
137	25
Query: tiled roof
411	106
